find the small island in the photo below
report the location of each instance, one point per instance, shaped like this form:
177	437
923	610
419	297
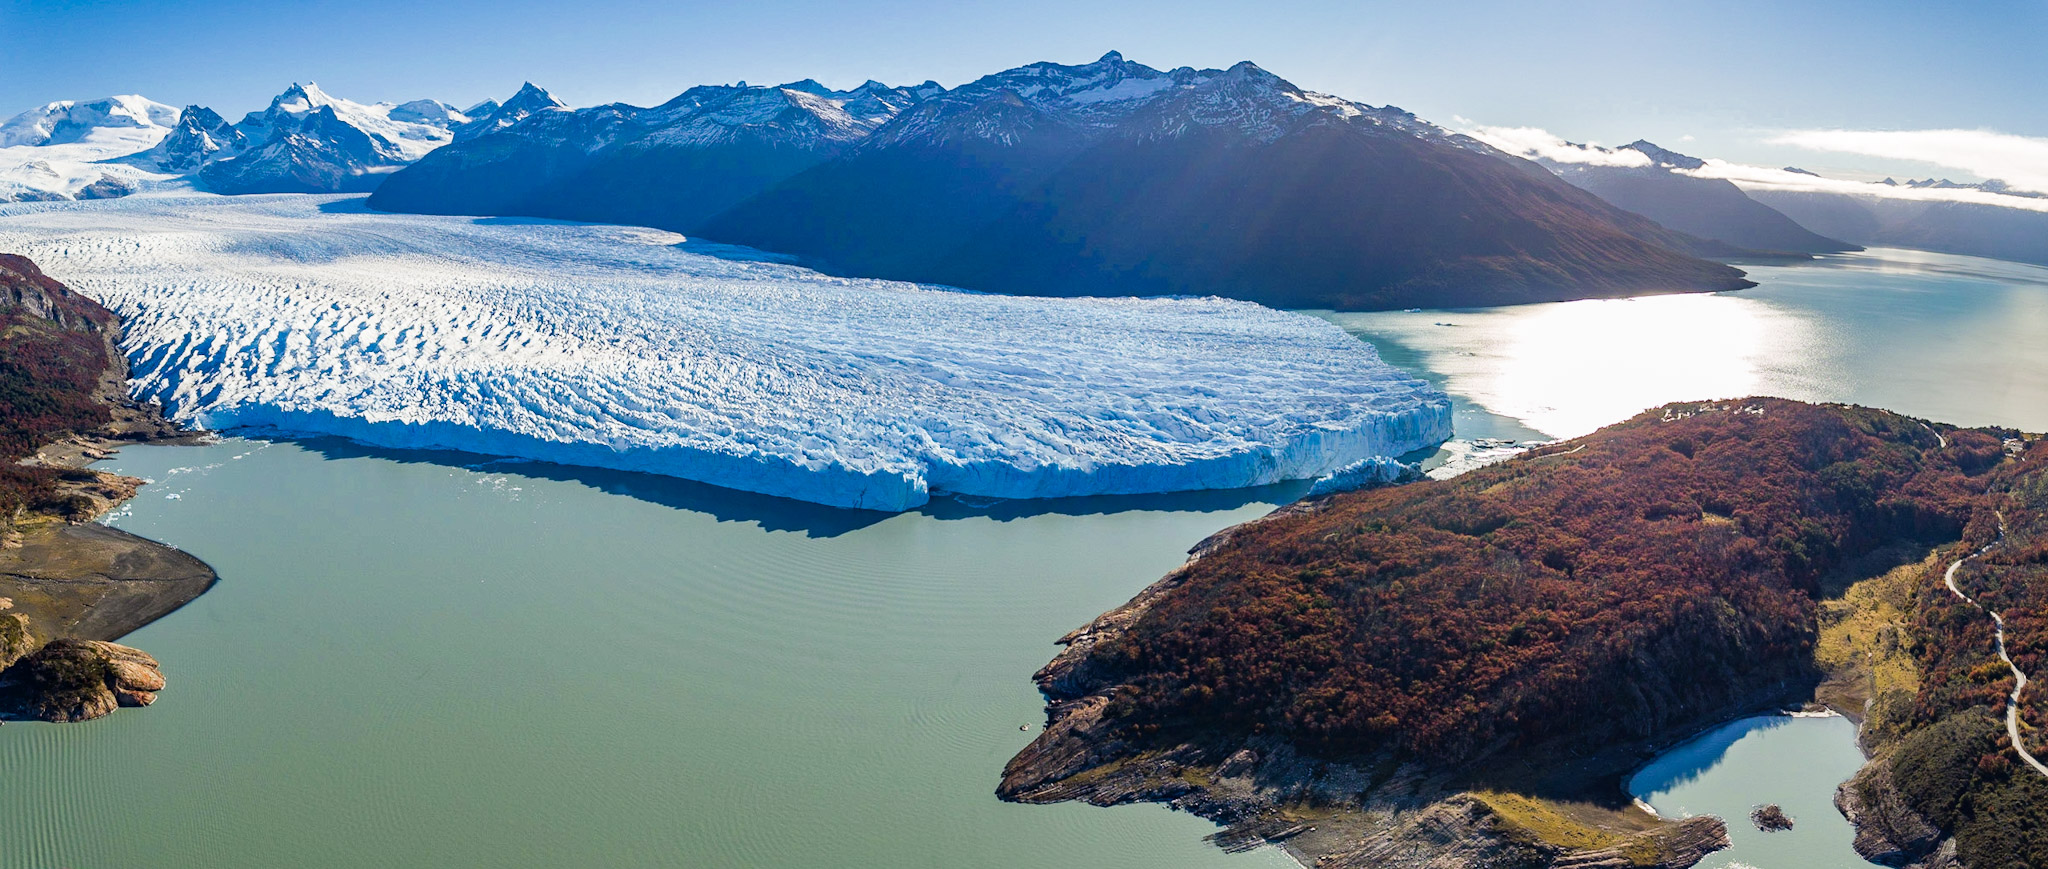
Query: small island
1464	672
1770	819
68	585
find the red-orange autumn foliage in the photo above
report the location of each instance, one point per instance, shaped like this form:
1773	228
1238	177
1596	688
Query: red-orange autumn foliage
1614	585
52	352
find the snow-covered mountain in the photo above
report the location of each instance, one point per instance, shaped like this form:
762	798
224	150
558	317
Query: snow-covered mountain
670	166
200	135
1116	178
305	141
118	118
56	151
491	116
1053	179
308	141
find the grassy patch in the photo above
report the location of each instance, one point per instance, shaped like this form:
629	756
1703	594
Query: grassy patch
1544	822
1865	643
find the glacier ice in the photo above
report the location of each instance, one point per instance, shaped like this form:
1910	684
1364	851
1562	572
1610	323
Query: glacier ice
1367	473
640	350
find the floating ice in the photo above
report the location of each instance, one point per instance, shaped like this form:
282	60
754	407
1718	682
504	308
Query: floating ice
635	349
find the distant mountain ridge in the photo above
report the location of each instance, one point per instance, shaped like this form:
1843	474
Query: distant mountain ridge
1103	178
670	165
1706	207
1798	211
305	141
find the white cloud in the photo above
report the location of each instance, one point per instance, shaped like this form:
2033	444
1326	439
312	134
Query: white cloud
1760	178
1541	144
2017	160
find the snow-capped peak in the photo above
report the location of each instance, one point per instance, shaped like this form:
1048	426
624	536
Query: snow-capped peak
1663	157
530	100
1101	85
805	114
200	135
68	121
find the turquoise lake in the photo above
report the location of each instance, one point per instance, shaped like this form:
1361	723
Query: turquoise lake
414	661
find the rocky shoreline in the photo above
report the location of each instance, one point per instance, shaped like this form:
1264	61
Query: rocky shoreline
70	586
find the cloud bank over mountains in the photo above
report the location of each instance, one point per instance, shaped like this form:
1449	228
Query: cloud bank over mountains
2019	161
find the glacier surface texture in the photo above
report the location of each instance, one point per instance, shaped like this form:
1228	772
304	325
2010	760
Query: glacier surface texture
639	350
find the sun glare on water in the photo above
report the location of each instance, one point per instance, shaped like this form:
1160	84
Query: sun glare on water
1568	368
1573	367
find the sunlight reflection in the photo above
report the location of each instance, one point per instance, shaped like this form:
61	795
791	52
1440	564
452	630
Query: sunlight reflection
1574	367
1568	368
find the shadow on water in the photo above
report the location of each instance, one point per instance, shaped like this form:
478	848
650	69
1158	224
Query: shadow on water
1686	763
784	514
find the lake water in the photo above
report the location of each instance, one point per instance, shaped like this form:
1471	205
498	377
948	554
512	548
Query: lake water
409	662
419	660
1792	762
1950	338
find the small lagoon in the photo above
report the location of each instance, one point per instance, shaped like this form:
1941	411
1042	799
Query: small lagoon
1793	762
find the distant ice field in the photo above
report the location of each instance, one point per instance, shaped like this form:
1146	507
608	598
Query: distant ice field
635	349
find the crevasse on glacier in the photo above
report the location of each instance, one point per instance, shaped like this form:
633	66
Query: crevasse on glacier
638	350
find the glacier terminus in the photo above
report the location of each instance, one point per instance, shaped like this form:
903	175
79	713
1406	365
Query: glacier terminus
641	350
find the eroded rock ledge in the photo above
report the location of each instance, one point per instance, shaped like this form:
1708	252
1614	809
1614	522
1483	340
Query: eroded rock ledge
79	680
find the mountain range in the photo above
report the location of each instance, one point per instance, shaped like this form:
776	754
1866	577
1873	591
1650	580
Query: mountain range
1105	178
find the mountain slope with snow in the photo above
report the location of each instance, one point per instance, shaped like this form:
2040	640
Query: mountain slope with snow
670	166
56	151
626	348
311	142
1113	178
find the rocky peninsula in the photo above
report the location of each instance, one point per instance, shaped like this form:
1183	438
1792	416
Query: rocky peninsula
1463	672
68	585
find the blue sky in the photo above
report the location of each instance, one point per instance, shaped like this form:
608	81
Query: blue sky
1730	75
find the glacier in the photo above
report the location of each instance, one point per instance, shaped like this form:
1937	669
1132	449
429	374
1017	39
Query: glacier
641	350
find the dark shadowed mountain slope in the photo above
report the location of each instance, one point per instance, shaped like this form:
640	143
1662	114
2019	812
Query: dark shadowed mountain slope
1113	178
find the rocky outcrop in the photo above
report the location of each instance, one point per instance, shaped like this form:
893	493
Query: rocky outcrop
78	680
1888	831
1456	833
23	286
15	640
